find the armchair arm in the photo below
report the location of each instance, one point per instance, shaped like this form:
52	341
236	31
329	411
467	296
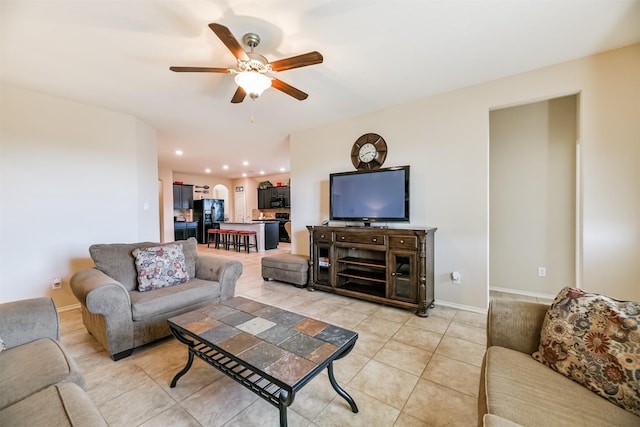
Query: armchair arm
515	324
108	309
222	270
100	293
28	320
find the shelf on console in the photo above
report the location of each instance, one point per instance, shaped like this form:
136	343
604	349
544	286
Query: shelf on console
366	262
362	288
374	276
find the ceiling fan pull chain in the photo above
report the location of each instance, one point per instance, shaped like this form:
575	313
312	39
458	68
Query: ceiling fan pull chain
252	102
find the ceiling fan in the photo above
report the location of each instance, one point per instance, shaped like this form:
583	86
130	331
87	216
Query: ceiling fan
251	73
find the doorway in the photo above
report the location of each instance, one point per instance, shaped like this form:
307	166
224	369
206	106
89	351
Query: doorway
240	206
533	198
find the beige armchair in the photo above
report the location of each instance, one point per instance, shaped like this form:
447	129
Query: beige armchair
122	318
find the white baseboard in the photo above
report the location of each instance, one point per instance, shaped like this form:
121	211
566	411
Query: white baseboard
524	293
460	307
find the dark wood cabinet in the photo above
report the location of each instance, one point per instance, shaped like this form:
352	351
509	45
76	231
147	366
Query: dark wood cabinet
393	266
184	230
182	196
264	198
274	197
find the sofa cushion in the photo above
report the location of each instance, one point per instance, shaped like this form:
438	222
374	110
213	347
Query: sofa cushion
156	303
595	341
160	266
526	392
116	260
31	367
63	404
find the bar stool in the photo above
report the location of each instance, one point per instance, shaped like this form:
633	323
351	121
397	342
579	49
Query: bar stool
244	240
231	239
213	233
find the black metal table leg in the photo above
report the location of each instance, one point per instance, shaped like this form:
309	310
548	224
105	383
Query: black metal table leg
184	370
340	391
285	399
283	415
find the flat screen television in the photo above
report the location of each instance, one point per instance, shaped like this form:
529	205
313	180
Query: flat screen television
380	195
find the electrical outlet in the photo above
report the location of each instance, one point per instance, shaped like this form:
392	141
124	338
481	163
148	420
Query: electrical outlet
542	271
56	283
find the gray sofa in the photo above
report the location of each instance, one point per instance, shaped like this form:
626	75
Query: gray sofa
516	390
40	384
122	318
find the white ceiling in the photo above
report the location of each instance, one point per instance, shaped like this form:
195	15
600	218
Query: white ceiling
377	53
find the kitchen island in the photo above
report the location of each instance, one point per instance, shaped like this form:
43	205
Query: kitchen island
266	232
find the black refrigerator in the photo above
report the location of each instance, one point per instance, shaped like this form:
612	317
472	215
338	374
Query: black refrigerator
207	213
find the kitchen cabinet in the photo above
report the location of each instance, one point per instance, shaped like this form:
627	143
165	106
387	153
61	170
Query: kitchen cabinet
391	266
264	198
271	235
184	230
274	197
182	196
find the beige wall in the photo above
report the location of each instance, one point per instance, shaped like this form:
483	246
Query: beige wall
532	195
71	175
445	139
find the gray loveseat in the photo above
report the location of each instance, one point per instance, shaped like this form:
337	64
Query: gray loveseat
40	384
516	390
122	318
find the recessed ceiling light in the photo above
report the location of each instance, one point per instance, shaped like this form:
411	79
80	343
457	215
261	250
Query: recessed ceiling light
244	175
207	170
245	163
261	172
179	152
282	169
225	167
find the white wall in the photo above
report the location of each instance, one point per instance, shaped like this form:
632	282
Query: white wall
71	175
445	139
532	195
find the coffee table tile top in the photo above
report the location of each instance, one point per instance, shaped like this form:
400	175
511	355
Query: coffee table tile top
310	326
285	345
219	333
256	325
238	343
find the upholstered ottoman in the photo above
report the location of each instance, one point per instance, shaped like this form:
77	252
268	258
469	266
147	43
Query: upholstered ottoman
286	268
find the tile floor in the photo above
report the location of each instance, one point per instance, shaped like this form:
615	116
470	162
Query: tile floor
404	370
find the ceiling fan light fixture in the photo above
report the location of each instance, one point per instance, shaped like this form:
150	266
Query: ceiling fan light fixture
253	83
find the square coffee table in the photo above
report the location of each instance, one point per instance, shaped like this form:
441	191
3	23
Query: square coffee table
271	351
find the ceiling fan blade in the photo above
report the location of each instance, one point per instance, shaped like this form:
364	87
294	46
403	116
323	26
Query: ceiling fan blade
238	97
229	41
288	89
303	60
200	70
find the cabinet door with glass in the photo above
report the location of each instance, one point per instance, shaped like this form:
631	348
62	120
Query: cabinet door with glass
322	266
403	280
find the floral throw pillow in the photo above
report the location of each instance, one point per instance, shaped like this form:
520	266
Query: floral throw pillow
595	341
160	266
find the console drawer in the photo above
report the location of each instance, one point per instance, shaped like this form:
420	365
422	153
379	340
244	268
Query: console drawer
370	239
408	242
322	236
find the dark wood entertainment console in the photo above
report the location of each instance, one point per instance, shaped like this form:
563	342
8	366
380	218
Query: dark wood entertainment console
389	265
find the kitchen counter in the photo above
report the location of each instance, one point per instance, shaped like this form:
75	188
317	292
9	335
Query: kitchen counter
263	236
